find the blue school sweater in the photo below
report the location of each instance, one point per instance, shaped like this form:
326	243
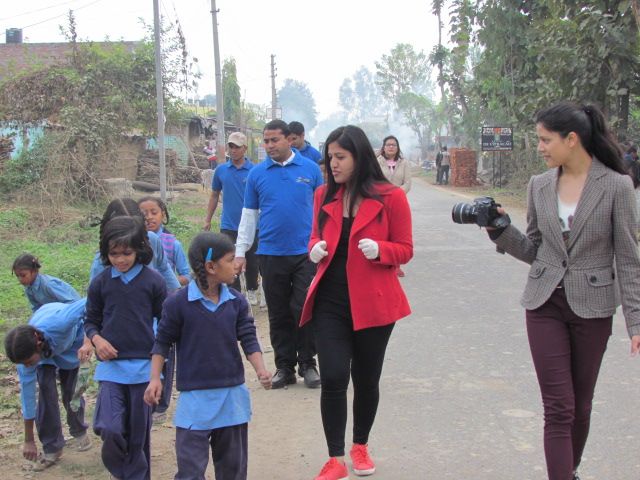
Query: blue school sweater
206	342
123	313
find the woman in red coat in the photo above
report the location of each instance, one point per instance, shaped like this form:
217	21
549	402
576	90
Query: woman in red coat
361	233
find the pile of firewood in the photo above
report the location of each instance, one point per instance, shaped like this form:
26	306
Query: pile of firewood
149	169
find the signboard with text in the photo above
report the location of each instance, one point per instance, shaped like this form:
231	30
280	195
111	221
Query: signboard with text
497	139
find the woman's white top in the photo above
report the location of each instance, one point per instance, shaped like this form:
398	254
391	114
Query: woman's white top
566	212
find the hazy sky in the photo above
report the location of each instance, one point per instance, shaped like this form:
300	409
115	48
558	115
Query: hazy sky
319	42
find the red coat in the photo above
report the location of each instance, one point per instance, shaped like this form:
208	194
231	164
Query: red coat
375	293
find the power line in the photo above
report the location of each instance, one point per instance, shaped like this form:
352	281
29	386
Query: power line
57	16
38	10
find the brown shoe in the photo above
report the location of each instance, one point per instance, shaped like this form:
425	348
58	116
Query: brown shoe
46	460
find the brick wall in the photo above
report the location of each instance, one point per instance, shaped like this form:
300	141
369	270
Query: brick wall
464	167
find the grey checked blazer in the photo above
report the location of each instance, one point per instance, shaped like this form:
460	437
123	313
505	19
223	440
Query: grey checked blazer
603	234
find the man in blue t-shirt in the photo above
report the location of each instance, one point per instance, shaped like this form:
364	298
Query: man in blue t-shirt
281	189
232	178
296	137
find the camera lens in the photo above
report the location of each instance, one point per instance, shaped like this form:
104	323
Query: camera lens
463	213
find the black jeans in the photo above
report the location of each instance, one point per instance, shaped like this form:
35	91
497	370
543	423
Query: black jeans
343	352
251	273
285	281
444	175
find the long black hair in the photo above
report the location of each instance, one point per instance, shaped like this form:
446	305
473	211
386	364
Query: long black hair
127	232
384	142
366	169
588	122
217	243
120	207
21	343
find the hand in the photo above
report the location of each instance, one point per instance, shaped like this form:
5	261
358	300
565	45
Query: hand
369	248
501	211
85	352
207	225
30	451
104	349
635	345
241	264
318	252
153	392
265	378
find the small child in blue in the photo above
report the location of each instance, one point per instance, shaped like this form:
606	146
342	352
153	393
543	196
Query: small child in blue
47	349
156	217
121	304
38	287
128	207
206	321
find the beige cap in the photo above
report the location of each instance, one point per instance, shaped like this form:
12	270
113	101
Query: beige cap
237	139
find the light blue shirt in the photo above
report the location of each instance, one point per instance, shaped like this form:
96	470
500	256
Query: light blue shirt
62	327
159	263
215	407
48	289
130	371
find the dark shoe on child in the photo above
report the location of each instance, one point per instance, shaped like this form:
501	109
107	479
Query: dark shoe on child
282	378
310	375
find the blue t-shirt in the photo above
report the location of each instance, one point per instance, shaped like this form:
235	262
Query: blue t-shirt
48	289
213	407
284	196
233	181
311	153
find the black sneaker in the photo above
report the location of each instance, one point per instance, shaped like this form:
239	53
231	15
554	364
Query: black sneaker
311	376
283	377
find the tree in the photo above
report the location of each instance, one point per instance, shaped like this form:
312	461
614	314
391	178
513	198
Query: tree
360	96
297	103
231	91
402	70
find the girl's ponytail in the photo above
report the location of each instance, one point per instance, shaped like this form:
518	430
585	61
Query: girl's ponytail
603	144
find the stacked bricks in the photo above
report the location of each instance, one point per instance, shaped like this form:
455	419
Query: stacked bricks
464	167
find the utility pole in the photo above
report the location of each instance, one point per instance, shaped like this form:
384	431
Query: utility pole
159	101
219	104
274	97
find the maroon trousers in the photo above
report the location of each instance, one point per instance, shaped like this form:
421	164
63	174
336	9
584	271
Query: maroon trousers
567	351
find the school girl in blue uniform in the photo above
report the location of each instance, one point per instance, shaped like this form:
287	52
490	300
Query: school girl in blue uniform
129	207
206	321
46	348
38	287
121	304
156	216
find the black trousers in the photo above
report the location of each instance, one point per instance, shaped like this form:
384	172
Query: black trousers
343	352
285	281
251	273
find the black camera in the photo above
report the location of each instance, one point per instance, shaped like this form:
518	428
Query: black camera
483	212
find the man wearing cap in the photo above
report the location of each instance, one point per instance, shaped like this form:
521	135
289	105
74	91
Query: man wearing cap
232	178
296	137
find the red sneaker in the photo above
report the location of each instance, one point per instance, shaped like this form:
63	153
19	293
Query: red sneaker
362	463
333	470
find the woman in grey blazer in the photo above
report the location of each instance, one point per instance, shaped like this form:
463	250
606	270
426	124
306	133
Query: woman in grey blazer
581	235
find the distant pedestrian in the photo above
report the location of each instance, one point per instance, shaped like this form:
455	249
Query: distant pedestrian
122	303
281	190
207	320
48	349
439	167
296	137
230	180
445	164
580	241
38	287
361	231
393	164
